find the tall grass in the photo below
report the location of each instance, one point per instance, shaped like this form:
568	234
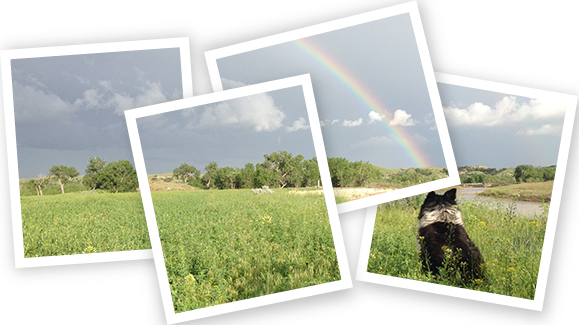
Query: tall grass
83	223
229	245
534	192
511	245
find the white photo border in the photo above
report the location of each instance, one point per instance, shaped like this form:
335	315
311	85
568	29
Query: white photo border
13	177
304	81
410	8
537	302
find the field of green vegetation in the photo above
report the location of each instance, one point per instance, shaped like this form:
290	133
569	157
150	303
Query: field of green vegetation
534	192
511	246
227	245
80	223
404	177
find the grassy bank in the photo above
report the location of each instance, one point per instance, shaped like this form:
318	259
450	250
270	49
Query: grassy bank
229	245
83	223
533	192
511	246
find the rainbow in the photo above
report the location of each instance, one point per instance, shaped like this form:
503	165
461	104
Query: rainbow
400	135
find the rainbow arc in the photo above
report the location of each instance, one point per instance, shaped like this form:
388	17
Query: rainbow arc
400	135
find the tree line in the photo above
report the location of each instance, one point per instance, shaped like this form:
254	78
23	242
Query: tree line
116	176
506	176
278	170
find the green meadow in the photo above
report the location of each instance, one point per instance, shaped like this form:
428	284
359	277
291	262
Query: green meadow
219	245
511	246
533	192
77	223
228	245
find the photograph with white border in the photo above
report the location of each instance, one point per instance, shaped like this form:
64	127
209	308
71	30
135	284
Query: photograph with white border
238	199
491	238
380	112
69	156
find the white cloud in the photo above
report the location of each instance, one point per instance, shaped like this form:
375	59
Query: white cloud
257	111
31	103
546	129
91	99
106	84
150	95
507	110
402	118
228	83
328	122
375	116
349	123
299	124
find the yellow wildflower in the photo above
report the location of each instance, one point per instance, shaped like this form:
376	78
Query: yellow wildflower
189	279
89	250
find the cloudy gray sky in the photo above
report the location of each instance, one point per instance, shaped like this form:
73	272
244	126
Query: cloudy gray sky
70	108
383	57
231	133
501	130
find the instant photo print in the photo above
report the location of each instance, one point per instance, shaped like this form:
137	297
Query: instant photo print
380	112
238	199
73	188
489	239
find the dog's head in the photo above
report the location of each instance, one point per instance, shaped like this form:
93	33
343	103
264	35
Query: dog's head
440	208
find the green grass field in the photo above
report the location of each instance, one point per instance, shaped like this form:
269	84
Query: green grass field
228	245
534	192
511	246
83	223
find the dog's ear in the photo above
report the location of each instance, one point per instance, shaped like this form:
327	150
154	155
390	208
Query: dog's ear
450	194
430	197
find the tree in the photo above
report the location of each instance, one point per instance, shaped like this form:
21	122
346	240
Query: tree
264	175
527	173
287	167
311	174
118	176
340	171
95	165
364	172
38	183
185	171
210	171
225	178
63	174
244	178
548	173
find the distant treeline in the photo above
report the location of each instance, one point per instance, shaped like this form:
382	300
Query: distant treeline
278	170
114	177
505	176
404	177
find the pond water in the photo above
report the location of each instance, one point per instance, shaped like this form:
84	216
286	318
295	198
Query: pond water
523	207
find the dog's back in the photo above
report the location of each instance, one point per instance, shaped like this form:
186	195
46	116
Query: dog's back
440	225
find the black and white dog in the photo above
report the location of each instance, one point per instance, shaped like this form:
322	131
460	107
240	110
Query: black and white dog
440	226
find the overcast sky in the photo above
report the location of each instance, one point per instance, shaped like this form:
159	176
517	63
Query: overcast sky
383	56
70	108
231	133
501	130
